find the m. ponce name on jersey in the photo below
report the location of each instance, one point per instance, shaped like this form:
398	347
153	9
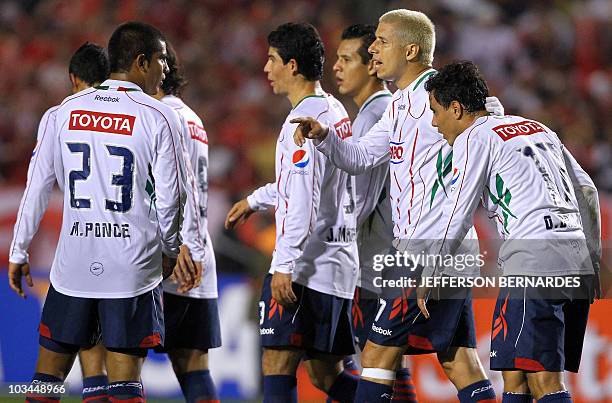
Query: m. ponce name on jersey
100	230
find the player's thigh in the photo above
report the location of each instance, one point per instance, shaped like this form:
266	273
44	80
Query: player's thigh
54	363
188	360
92	360
281	360
379	356
123	366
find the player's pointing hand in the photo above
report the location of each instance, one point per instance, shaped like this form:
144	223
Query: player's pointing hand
309	128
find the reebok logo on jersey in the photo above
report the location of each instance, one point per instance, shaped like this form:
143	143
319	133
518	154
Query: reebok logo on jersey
380	330
102	122
106	99
266	331
300	158
397	152
525	128
343	128
197	132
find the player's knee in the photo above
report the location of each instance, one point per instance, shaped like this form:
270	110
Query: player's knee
187	360
280	361
462	366
377	356
543	382
323	373
515	382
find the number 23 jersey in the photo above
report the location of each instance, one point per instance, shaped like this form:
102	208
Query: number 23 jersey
118	156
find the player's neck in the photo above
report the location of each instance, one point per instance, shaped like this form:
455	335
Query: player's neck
413	70
301	89
469	119
127	77
373	86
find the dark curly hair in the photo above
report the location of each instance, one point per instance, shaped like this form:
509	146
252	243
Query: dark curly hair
89	63
301	42
367	34
459	81
175	80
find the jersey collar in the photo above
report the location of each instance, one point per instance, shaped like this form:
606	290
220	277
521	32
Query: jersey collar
118	85
377	94
419	80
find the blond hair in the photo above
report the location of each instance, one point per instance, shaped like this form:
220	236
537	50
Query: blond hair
414	27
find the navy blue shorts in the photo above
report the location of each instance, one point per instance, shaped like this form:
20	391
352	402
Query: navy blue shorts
318	322
531	333
399	322
365	307
191	323
131	324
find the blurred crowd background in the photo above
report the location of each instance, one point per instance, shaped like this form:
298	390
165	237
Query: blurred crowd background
545	59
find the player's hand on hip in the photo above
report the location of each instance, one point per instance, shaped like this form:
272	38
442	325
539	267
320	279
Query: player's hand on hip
308	128
238	214
494	106
15	272
422	296
282	289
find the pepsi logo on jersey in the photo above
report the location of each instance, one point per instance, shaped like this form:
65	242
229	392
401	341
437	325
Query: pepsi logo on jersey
102	122
300	158
455	176
397	152
343	128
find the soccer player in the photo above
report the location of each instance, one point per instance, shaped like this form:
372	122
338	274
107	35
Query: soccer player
104	145
356	77
547	212
88	67
191	318
306	298
419	159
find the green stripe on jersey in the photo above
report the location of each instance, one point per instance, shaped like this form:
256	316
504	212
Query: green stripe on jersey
422	79
372	100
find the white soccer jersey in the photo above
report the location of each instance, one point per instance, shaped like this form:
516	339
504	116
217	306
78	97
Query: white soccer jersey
419	166
372	200
118	156
315	222
518	168
196	141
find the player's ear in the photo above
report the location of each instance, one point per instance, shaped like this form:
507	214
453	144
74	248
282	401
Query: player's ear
371	68
73	80
457	109
412	52
142	63
293	66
